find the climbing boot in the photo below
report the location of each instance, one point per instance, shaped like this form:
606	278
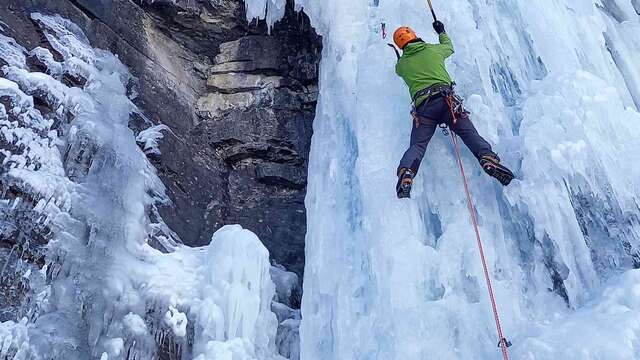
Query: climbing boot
405	181
491	165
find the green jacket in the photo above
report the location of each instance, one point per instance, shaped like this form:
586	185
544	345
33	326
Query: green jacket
422	65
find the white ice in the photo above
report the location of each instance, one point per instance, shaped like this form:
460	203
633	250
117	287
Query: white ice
554	86
150	138
268	10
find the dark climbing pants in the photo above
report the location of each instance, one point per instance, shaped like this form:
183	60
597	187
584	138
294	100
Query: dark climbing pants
432	113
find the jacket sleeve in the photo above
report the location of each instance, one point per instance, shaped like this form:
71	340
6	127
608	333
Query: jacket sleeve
446	46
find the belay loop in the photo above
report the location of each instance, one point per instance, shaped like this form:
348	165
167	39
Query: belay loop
458	107
455	103
455	107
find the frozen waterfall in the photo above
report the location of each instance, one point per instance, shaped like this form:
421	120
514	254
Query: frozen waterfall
554	86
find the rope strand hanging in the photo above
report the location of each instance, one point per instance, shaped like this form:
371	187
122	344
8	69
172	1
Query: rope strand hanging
503	343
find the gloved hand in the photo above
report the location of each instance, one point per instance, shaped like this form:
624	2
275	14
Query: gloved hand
438	26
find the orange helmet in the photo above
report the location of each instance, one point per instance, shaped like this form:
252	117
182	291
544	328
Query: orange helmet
403	36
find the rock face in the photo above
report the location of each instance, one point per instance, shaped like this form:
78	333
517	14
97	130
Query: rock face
239	103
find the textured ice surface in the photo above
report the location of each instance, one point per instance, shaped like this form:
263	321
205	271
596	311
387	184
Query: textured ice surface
268	10
287	310
554	86
149	138
79	201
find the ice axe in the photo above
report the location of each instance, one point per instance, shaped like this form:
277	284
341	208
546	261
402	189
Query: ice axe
435	18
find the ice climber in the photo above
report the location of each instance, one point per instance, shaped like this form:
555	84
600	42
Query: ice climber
422	67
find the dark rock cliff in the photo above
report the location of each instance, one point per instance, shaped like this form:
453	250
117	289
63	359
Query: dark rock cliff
239	102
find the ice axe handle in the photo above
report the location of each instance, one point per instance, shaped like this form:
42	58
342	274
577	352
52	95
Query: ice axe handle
433	13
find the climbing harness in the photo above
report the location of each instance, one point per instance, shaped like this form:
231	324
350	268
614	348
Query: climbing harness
435	90
428	93
431	91
453	104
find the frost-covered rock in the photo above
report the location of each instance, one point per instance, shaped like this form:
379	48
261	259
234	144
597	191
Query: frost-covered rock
170	46
149	138
94	270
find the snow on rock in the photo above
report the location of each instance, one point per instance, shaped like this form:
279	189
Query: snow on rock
100	275
149	138
135	324
177	321
556	92
12	53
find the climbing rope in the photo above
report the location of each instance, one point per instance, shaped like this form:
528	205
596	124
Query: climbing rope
503	343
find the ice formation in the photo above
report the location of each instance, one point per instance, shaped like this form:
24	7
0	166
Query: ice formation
98	274
150	138
554	85
268	10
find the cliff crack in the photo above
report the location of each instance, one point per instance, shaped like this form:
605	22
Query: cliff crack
83	9
94	17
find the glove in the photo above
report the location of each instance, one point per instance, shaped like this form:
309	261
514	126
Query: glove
438	26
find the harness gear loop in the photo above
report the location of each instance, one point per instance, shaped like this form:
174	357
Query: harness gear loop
431	91
428	93
503	343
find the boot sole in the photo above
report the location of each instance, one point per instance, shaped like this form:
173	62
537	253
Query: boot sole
502	174
404	192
